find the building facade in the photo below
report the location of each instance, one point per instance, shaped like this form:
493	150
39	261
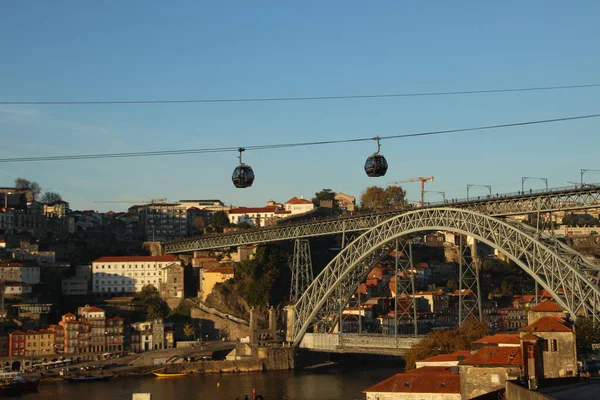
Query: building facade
210	276
128	274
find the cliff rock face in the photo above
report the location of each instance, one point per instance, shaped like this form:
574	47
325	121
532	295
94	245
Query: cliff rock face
587	245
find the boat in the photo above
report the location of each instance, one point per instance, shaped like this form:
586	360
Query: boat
14	384
169	374
86	378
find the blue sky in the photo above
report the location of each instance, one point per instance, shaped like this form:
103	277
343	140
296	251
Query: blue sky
108	50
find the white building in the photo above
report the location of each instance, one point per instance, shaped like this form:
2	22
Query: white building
152	334
128	274
19	272
299	205
17	289
259	216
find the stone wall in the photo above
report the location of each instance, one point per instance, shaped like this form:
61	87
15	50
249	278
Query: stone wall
516	392
476	381
561	363
222	327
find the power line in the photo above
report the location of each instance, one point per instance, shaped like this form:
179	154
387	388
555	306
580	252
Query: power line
310	98
287	145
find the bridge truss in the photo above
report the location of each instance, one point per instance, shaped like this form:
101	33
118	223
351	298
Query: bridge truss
563	272
496	206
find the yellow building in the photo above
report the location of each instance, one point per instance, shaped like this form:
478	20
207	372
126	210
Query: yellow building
210	276
46	340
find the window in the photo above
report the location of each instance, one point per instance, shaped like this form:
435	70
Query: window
544	344
553	345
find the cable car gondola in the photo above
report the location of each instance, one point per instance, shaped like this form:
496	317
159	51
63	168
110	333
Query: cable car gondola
243	176
376	165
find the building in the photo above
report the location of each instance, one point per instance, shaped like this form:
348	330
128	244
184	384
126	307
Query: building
162	221
151	335
259	216
549	344
169	339
300	205
96	317
16	343
20	272
115	338
58	333
497	340
78	284
210	276
511	318
128	274
57	209
3	344
431	383
444	360
345	202
488	369
171	286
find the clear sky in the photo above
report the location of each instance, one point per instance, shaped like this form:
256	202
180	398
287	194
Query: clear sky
109	50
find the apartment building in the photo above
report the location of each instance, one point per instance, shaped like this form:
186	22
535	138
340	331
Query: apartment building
129	274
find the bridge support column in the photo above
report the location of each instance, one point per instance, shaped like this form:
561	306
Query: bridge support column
469	305
302	272
290	316
405	286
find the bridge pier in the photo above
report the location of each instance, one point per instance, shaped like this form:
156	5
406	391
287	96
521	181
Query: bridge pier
302	271
405	284
469	287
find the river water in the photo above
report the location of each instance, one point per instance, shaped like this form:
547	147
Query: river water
344	383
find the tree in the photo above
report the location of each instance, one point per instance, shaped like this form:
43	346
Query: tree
34	187
219	219
325	195
199	224
587	335
148	293
157	308
189	331
446	341
377	198
50	197
452	285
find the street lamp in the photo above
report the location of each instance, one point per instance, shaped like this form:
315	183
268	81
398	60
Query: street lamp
469	186
6	200
524	178
435	191
583	171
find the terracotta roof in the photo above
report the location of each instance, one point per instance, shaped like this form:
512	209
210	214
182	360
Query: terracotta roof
500	338
17	333
547	324
32	332
253	210
490	355
448	357
417	381
93	309
547	306
135	259
295	200
69	315
218	270
529	337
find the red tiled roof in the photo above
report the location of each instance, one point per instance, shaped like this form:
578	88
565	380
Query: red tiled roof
218	270
253	210
547	306
416	381
283	212
500	338
295	200
448	357
490	355
529	337
32	332
69	315
17	333
547	324
135	259
93	309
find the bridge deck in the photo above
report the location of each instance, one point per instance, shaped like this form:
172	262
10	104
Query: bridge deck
355	343
561	199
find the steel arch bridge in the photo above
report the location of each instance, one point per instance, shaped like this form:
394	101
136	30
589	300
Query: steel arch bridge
563	272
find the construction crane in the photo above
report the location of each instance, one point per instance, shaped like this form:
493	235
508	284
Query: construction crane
421	179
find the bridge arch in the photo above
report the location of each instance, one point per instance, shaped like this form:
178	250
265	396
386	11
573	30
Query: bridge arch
563	276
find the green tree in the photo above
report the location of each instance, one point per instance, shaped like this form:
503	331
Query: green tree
324	195
219	218
157	308
452	285
587	335
148	293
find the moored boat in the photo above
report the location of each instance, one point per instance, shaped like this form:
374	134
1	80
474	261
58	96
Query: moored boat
87	378
169	375
14	384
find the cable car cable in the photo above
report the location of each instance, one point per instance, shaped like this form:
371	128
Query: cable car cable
308	98
287	145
